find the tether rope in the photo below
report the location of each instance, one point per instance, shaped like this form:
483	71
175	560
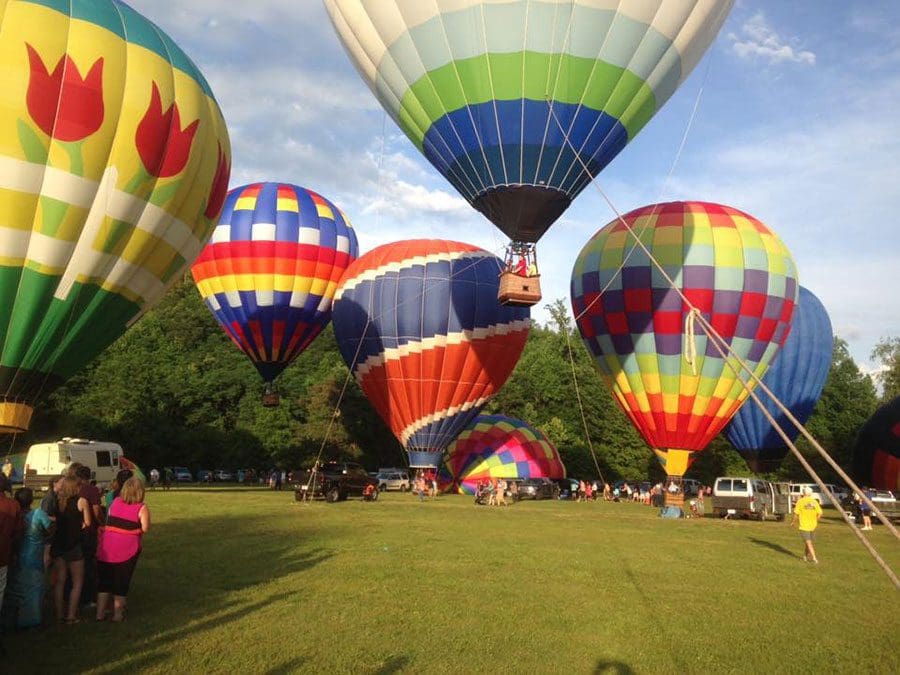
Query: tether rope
337	407
587	434
722	346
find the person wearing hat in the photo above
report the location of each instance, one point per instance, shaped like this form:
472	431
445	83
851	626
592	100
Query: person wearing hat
808	511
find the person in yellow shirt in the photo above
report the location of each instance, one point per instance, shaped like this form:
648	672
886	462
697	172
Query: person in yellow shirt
808	511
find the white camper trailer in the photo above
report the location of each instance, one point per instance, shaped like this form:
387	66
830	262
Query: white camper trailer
47	461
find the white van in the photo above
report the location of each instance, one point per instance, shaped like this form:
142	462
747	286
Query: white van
47	461
797	492
742	496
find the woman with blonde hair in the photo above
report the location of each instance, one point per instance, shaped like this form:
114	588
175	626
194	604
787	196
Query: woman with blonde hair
74	515
127	520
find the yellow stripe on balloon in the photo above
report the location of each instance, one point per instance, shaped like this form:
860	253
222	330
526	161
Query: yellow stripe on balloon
283	283
285	204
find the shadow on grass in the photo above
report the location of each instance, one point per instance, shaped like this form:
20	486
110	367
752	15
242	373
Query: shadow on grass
612	668
650	608
192	578
393	665
289	666
778	548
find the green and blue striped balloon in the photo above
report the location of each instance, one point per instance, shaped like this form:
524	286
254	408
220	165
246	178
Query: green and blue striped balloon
519	102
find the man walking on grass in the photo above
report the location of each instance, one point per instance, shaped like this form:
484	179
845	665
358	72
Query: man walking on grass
808	511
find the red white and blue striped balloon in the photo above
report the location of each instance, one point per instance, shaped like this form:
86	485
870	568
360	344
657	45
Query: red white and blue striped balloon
270	271
419	325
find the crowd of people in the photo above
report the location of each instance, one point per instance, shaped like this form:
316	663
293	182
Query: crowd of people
492	491
79	543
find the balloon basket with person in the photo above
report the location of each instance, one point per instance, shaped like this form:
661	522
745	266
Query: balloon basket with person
520	282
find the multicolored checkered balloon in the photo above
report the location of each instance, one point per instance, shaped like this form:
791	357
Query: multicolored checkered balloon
270	271
495	446
731	267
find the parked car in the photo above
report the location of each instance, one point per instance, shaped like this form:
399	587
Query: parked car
224	475
392	480
182	475
749	498
839	491
334	481
884	500
538	488
797	492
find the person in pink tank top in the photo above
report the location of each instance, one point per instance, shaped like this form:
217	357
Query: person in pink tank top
119	546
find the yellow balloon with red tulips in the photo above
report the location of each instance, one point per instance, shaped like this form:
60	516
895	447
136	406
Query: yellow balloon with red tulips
114	163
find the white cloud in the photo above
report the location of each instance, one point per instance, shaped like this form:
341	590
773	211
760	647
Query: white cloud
758	40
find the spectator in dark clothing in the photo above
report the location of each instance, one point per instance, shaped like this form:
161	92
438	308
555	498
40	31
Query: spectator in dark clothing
91	494
12	527
68	556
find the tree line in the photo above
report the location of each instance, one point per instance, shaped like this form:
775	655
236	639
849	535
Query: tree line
175	391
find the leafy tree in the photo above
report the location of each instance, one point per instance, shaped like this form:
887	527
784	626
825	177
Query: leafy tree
887	354
174	390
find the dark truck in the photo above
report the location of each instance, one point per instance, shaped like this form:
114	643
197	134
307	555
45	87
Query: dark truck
333	481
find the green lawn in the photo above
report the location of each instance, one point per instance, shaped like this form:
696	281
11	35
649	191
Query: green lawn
249	581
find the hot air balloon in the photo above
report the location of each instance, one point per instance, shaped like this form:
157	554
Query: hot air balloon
419	326
114	162
126	463
519	104
796	377
876	457
270	271
496	446
734	269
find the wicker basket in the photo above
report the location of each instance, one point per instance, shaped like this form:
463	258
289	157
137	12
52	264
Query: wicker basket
518	290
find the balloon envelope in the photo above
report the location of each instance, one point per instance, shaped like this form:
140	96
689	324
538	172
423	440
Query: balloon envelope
270	271
497	94
114	162
729	265
496	446
796	377
876	458
419	326
126	463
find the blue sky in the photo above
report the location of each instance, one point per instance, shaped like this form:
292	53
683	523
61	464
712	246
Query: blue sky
798	123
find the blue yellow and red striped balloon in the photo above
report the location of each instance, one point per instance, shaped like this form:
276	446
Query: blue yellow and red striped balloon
270	271
419	325
496	446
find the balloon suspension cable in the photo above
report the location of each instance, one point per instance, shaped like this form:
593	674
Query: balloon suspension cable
336	412
584	424
723	346
662	190
380	200
715	339
719	340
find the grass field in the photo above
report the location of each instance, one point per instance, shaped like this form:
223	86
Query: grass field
249	581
